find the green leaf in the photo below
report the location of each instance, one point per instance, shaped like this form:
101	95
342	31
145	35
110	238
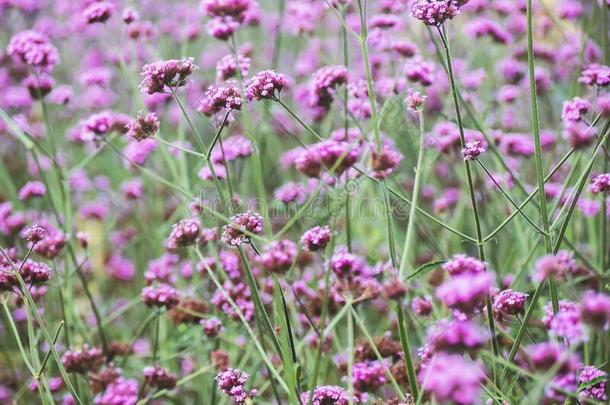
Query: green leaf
425	268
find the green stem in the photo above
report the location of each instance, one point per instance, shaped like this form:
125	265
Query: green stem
258	302
11	322
538	148
408	257
30	301
473	200
404	340
505	194
364	49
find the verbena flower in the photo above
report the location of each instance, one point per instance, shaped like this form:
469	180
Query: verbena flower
161	76
450	377
265	85
34	49
508	303
240	226
316	238
232	382
435	12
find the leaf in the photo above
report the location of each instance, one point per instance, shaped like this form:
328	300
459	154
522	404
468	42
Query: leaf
425	268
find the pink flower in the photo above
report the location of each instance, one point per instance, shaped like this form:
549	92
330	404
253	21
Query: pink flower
33	49
450	377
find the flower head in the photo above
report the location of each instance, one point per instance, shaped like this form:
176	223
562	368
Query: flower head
600	184
265	85
159	76
232	382
144	126
240	226
316	238
472	150
435	12
33	49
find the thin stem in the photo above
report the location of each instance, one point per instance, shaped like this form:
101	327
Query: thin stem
505	194
369	74
538	148
408	256
404	340
46	357
528	199
473	200
30	301
217	136
11	322
258	302
299	120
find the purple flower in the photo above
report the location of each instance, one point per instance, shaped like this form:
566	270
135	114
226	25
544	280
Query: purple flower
162	295
595	75
120	267
461	264
265	85
291	193
232	382
558	265
550	354
211	327
421	306
222	28
83	360
121	391
34	234
566	323
507	303
456	336
487	27
233	148
171	73
595	309
144	126
39	86
465	292
184	233
217	99
327	395
574	110
160	378
279	256
450	377
236	9
99	11
240	227
346	265
226	67
600	184
324	82
472	150
419	71
316	238
368	376
33	49
435	12
415	100
31	190
596	391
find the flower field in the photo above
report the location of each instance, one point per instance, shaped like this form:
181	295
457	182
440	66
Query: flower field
304	202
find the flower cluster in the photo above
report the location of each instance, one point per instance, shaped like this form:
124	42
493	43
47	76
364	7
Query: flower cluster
232	382
82	361
166	75
265	85
34	49
240	227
